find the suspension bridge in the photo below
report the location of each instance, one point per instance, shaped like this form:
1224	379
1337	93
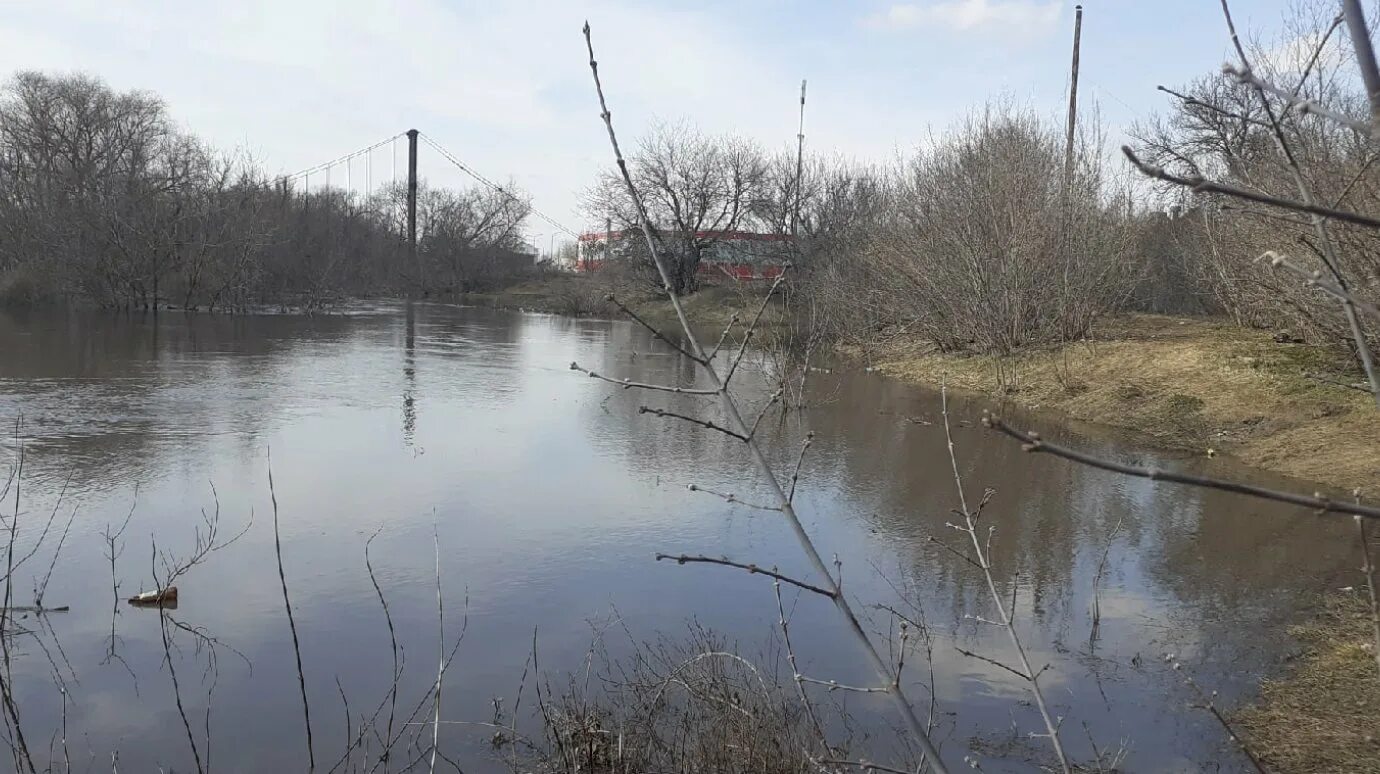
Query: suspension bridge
343	172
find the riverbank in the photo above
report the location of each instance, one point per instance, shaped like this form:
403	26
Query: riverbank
1324	716
1201	385
709	309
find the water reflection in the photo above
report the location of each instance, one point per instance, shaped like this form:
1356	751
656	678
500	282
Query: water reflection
549	493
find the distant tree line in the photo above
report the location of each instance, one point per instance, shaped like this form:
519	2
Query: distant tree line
104	199
989	238
986	240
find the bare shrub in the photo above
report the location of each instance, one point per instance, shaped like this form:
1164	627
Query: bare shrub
684	703
987	249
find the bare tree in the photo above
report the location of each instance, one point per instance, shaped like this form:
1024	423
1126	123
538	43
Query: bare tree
698	189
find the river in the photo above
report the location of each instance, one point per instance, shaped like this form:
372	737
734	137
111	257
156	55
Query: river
548	495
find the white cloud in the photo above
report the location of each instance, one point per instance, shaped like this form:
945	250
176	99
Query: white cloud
965	15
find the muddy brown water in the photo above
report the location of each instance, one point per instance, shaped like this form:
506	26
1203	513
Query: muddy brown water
549	495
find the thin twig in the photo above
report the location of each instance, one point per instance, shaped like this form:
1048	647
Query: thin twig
730	497
722	337
1315	279
392	696
706	424
752	327
795	670
441	657
1034	444
800	460
1195	102
752	568
1306	106
292	623
775	396
983	556
629	384
657	334
1211	707
1199	184
835	685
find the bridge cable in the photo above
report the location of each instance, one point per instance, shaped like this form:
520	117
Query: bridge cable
495	186
327	165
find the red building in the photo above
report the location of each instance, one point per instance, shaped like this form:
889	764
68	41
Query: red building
738	255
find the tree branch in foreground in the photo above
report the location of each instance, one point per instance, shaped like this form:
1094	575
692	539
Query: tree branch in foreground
734	418
706	424
1032	442
1315	279
751	568
628	384
1200	184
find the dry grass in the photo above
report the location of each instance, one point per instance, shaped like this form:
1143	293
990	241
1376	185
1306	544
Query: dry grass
1189	383
1325	717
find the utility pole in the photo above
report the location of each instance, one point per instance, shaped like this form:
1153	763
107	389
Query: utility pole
412	204
1073	96
608	241
1066	195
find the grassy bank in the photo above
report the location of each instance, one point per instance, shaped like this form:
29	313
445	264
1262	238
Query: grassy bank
709	309
1325	715
1202	385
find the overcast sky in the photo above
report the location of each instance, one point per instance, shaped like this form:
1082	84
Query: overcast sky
505	86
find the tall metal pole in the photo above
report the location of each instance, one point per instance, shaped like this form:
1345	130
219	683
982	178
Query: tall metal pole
412	204
799	166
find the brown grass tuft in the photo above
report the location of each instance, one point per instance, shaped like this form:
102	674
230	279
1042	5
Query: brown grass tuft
1325	716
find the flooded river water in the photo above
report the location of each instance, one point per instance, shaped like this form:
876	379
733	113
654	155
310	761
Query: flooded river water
548	495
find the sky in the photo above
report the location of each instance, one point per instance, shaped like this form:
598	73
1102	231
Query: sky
505	86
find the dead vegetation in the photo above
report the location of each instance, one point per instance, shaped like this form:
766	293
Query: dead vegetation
1206	386
1325	715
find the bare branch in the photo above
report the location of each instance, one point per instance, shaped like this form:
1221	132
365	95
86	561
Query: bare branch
994	662
1033	443
775	396
795	669
1195	102
955	551
654	331
751	568
752	327
795	475
628	384
722	338
1245	76
292	623
834	685
1315	279
706	424
1365	54
1200	184
983	556
730	497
